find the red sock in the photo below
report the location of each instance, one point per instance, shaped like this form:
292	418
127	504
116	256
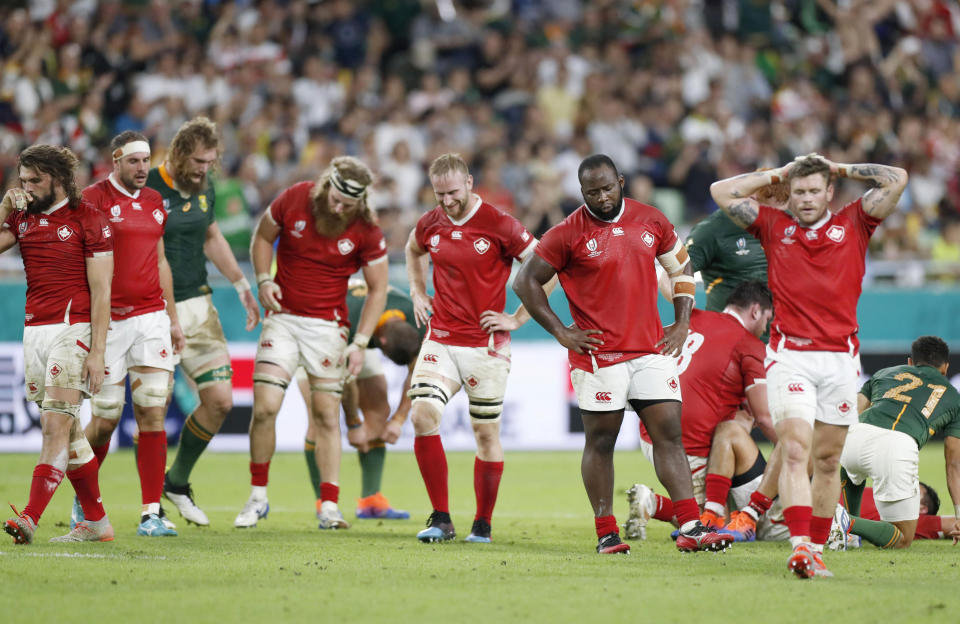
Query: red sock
797	519
686	510
486	482
151	462
433	468
259	474
606	525
664	510
87	487
329	492
717	488
760	503
46	478
101	453
820	529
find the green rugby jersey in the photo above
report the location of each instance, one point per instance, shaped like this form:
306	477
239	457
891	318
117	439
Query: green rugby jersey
398	302
726	255
187	221
916	400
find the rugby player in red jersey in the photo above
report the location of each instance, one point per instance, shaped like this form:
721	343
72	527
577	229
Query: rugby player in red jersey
619	353
472	245
326	232
67	251
816	263
144	330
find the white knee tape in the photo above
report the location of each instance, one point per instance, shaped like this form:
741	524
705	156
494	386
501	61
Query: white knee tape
432	394
108	403
62	407
485	410
80	451
331	387
149	389
270	380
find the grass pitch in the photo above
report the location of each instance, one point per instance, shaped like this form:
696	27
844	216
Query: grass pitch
541	566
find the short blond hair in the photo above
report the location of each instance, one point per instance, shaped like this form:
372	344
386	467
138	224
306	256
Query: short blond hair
448	163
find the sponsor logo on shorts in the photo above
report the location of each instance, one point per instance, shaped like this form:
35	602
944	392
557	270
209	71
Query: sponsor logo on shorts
836	233
472	381
32	387
163	352
64	232
844	407
603	397
136	205
430	358
648	239
158	216
618	231
481	245
345	245
266	344
673	384
795	387
455	235
55	370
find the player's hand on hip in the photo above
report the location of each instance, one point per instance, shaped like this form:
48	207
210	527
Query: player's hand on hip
270	296
582	341
357	437
391	431
92	373
492	321
177	338
422	308
253	310
15	199
673	338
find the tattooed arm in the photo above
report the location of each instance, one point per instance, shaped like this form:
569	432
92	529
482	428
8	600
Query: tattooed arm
733	195
880	201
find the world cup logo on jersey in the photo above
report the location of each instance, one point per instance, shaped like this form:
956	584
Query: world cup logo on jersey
23	228
835	233
64	232
115	213
298	227
434	240
790	230
481	245
345	245
592	244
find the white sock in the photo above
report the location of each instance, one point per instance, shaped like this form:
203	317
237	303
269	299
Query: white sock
716	508
751	512
151	508
258	492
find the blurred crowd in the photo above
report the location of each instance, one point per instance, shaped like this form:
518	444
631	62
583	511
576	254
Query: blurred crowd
679	92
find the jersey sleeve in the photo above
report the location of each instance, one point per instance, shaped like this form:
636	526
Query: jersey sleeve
866	223
373	246
97	235
953	426
668	235
91	196
701	248
928	527
867	389
553	249
420	230
277	209
514	238
11	224
752	355
761	225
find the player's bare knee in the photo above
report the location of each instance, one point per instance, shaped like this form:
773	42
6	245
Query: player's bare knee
425	419
794	452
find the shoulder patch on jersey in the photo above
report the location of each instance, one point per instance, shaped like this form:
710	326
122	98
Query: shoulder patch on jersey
345	245
64	232
648	238
836	233
107	233
481	245
158	215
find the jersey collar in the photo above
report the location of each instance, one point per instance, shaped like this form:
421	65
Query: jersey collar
816	226
733	313
473	211
616	219
57	206
121	188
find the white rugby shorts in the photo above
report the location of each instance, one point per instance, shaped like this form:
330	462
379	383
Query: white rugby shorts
315	344
53	355
142	340
201	327
892	460
481	371
647	378
813	385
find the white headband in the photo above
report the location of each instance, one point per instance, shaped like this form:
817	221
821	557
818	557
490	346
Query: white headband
131	148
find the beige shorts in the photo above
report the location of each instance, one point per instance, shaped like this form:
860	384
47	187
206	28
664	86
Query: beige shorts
813	385
892	460
290	341
647	378
205	341
481	372
53	355
698	471
372	366
142	340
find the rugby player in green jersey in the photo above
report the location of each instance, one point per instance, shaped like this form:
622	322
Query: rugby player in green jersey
901	407
398	337
191	238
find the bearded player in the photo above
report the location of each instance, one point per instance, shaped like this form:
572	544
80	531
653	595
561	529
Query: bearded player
816	264
325	231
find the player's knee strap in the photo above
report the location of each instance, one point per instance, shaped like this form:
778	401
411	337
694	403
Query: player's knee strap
61	407
429	393
674	260
149	389
330	387
485	410
108	403
270	380
80	451
216	375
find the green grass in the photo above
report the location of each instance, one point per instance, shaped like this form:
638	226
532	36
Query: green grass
541	567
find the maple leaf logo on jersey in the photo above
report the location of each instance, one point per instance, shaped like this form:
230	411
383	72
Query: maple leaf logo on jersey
158	216
55	370
345	245
64	232
836	233
647	239
481	245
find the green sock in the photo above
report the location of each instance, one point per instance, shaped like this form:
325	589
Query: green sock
852	494
879	533
371	467
309	447
193	440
